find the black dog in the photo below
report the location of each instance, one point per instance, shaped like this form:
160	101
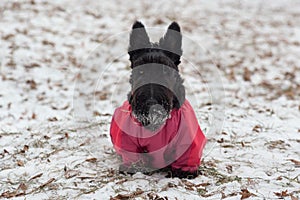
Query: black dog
156	89
157	127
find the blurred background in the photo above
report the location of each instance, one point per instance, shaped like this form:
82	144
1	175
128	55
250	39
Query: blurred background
55	53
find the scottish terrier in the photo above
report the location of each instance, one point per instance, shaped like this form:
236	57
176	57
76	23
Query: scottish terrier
156	128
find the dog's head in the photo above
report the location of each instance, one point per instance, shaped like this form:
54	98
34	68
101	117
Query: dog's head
156	86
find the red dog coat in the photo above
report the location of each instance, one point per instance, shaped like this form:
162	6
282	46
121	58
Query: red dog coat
178	143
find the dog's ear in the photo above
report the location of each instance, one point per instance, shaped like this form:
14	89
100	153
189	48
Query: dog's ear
171	42
138	40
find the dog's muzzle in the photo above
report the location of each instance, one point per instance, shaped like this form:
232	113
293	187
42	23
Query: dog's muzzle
154	115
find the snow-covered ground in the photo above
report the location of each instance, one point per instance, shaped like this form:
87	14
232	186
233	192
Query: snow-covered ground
64	68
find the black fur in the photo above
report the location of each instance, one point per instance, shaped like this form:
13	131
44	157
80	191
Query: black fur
159	60
156	85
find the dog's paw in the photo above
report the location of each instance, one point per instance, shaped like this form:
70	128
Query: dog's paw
134	169
182	174
127	170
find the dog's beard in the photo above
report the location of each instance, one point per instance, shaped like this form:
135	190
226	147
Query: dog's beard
154	118
151	109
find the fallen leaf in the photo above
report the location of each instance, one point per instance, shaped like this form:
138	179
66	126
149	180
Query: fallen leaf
152	196
266	85
8	194
128	196
91	160
158	21
60	108
20	163
229	169
36	176
31	65
46	42
245	194
220	140
22	186
257	128
296	162
71	173
8	36
228	146
247	74
101	95
47	183
32	84
52	119
282	194
25	148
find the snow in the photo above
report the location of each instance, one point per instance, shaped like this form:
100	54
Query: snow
64	69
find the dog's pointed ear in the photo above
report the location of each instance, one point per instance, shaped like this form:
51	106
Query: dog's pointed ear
171	42
138	40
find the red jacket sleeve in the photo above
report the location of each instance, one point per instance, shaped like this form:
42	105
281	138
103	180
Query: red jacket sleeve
191	141
123	144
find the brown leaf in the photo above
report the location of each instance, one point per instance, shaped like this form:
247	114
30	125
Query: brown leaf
267	85
47	183
243	143
128	196
91	160
46	42
52	119
61	108
32	84
220	140
228	146
152	196
101	95
22	186
96	113
8	194
282	194
296	162
247	74
229	168
46	137
36	176
20	163
257	128
158	21
277	144
8	36
31	65
71	173
25	148
246	194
